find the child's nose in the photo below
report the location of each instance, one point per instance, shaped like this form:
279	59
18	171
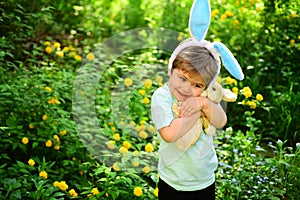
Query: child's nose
187	87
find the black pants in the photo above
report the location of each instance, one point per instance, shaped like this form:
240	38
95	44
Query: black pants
166	192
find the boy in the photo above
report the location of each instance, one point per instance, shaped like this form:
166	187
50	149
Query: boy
187	174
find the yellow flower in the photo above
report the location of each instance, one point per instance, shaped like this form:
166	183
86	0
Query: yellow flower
31	126
77	57
247	92
132	123
122	123
151	129
242	102
159	79
146	169
123	150
44	117
63	132
259	97
214	12
95	191
110	123
143	134
55	137
60	54
235	90
116	167
236	22
113	129
180	36
292	42
56	45
138	128
71	48
143	127
66	49
73	193
31	162
142	92
111	144
47	43
57	147
147	83
138	191
56	184
117	137
252	104
43	174
63	185
48	143
48	89
223	16
53	100
90	56
229	13
146	100
230	81
135	163
25	140
128	82
155	192
48	50
127	144
149	147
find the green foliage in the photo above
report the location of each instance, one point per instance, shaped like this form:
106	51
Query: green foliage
248	169
44	154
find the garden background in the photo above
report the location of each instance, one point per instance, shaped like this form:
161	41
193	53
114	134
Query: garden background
49	150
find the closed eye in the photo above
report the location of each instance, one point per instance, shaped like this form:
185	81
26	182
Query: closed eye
199	85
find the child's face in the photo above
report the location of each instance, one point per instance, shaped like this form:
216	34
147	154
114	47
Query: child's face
183	86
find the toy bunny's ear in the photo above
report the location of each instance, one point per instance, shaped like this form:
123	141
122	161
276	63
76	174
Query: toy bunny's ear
199	19
229	62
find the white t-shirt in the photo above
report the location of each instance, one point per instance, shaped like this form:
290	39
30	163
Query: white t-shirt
188	170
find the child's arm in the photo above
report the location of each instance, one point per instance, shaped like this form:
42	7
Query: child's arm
214	112
178	127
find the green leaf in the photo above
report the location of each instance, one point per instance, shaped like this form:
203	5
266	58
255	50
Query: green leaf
11	121
24	171
34	144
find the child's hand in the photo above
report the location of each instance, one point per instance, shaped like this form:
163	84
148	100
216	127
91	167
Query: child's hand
192	105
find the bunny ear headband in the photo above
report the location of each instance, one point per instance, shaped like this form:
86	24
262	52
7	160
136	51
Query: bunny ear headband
198	25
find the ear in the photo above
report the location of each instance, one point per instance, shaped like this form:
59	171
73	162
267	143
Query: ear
199	19
228	60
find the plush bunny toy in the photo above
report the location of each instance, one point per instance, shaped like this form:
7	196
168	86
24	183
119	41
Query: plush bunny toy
198	25
216	93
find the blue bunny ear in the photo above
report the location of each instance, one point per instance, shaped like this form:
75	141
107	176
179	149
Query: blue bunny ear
228	60
199	19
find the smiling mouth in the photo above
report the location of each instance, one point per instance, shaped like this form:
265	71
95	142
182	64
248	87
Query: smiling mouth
181	94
